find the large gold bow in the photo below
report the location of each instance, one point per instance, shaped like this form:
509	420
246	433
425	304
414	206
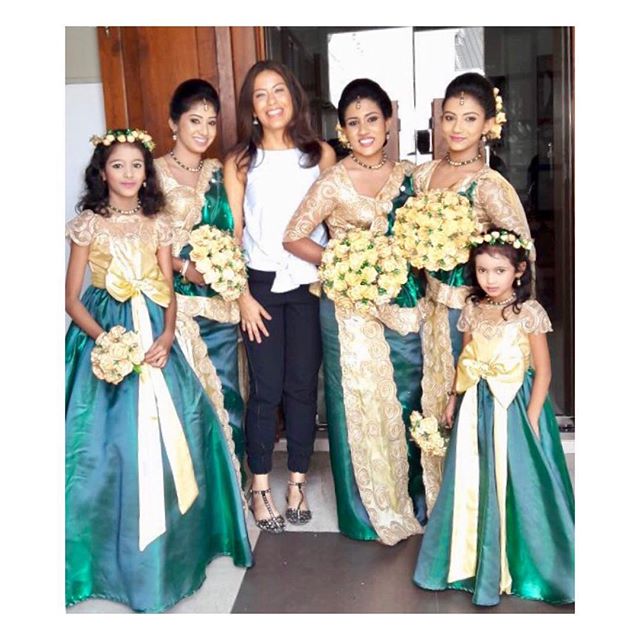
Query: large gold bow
122	283
503	368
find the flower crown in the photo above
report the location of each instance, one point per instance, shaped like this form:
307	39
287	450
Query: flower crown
501	237
496	131
124	135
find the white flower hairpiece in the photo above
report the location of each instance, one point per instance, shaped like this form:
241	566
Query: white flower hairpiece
501	237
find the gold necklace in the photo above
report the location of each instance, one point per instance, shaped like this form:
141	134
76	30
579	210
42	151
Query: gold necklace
125	212
502	303
461	163
184	166
373	167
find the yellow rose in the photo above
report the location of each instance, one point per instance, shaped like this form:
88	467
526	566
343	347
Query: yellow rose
340	285
121	138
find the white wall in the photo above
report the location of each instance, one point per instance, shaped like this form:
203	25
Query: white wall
84	112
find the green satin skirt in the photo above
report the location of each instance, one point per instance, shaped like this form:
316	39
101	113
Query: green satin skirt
222	344
406	357
101	488
539	512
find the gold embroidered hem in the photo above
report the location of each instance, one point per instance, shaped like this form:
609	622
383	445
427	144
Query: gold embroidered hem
375	429
437	378
403	320
214	308
197	355
452	297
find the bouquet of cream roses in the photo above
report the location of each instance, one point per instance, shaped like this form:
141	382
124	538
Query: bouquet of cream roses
360	270
427	433
434	230
220	261
117	353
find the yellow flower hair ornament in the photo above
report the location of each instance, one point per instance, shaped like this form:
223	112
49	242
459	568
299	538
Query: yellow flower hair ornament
495	133
124	135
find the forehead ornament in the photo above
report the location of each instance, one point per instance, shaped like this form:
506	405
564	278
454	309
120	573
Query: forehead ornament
358	104
462	97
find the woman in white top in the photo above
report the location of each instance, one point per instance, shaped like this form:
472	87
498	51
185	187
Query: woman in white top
277	158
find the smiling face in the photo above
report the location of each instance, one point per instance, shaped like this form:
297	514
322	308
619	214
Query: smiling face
365	127
124	173
496	275
196	128
271	98
464	124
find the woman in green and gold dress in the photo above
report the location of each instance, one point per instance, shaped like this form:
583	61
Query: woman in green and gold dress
372	364
152	489
207	325
472	113
504	518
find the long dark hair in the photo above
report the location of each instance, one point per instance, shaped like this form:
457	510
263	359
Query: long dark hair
515	257
96	191
298	130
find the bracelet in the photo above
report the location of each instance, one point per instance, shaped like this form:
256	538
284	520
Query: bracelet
185	266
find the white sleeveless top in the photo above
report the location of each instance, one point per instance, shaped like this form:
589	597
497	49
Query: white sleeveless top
276	184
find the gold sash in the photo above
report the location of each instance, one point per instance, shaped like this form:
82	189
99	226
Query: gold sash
504	370
157	414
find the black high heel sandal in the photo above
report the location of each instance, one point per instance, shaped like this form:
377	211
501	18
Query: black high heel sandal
298	516
274	524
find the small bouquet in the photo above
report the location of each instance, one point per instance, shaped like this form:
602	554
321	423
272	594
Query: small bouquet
220	261
360	270
117	353
434	230
429	436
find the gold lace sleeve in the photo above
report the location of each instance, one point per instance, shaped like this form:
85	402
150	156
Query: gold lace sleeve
534	318
164	229
501	206
315	207
81	229
466	320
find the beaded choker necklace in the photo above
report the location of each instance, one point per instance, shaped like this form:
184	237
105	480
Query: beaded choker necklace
462	163
125	212
502	303
373	167
184	166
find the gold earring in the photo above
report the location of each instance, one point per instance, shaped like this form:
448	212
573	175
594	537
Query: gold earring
342	137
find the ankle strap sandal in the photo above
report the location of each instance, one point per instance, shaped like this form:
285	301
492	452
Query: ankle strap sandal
298	516
272	524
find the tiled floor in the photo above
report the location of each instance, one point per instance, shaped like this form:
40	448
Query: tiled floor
314	569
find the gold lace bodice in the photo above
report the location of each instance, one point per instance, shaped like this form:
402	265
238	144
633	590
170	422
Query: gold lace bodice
334	200
183	203
123	248
494	335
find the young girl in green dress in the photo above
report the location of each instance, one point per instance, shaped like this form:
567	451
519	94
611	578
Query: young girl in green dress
152	492
504	518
